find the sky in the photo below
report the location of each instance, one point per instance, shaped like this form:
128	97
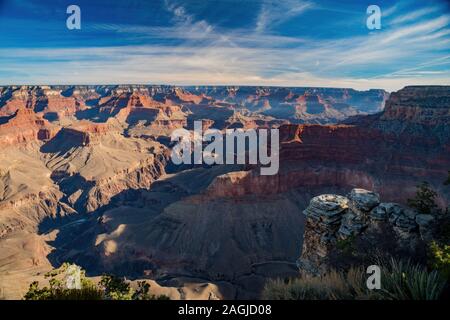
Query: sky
322	43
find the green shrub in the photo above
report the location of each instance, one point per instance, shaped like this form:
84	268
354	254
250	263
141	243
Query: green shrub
424	201
109	288
85	293
440	258
116	288
142	293
443	228
347	246
58	291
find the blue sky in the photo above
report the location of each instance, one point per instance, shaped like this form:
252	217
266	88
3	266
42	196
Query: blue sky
246	42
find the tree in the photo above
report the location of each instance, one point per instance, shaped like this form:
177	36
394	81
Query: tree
143	293
116	288
424	201
35	293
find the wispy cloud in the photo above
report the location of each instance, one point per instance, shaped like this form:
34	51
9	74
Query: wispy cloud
185	21
412	16
419	28
274	12
191	50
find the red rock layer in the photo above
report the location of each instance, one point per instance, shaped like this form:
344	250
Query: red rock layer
25	126
346	156
63	106
42	100
134	107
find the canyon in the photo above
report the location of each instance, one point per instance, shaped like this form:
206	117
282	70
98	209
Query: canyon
86	177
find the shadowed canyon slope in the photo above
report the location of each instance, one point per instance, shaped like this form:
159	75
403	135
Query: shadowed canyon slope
85	176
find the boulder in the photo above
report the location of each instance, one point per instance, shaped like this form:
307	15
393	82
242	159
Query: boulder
328	208
363	200
379	213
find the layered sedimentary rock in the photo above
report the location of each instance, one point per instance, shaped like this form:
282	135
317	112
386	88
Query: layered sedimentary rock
267	98
45	100
417	114
25	126
427	105
93	162
390	152
367	153
27	193
297	105
331	218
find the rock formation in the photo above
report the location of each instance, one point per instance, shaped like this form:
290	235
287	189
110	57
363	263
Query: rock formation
331	218
25	126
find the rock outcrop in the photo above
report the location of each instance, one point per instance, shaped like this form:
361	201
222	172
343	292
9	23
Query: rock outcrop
332	218
25	126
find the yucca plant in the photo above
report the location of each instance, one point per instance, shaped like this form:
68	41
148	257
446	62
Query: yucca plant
403	280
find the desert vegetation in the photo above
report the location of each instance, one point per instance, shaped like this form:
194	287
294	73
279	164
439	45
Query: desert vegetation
425	199
401	280
438	253
108	288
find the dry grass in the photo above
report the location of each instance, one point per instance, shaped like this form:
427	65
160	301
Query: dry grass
400	280
333	285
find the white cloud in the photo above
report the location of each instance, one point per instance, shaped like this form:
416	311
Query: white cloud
186	65
413	54
419	28
274	12
412	16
